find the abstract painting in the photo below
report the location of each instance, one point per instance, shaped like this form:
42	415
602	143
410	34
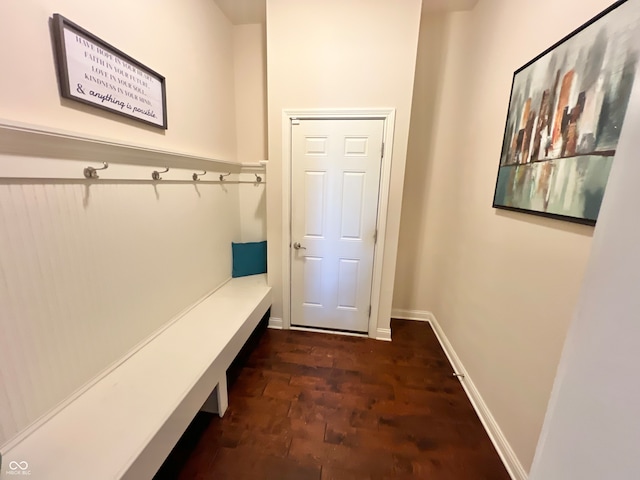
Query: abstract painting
565	115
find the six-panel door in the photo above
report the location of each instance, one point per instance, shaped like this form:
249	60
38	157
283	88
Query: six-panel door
334	204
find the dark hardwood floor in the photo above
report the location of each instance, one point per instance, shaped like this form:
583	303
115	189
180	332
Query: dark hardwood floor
318	406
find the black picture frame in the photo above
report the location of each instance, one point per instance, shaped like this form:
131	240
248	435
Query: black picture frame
559	142
93	72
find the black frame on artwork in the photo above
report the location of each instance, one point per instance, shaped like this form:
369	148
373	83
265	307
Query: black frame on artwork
59	24
583	221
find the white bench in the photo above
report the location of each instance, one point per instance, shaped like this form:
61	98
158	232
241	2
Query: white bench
125	425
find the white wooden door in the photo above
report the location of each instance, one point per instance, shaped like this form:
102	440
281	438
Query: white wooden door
335	182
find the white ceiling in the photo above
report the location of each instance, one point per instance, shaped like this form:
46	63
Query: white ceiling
254	11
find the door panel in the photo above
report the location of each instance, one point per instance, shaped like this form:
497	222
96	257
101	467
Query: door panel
334	191
353	184
313	281
314	202
348	283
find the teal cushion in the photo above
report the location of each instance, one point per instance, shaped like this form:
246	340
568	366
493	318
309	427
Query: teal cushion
249	258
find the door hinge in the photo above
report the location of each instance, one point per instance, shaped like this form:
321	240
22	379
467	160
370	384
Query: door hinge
382	152
369	311
295	121
375	236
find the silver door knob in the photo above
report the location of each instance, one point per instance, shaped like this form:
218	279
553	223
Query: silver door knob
297	246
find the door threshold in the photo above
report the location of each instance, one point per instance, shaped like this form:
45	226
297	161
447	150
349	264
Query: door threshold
330	331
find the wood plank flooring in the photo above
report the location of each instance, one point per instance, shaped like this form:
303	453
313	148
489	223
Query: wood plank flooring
328	407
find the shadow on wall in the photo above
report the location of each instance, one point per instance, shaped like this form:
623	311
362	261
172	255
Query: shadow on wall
569	227
253	205
418	176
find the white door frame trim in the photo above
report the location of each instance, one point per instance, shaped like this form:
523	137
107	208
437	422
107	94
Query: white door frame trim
388	115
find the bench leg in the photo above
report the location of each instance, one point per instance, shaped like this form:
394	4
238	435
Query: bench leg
223	396
218	401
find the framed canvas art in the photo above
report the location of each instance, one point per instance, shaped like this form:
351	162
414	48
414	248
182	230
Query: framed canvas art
566	111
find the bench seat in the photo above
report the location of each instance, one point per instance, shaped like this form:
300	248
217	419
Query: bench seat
125	424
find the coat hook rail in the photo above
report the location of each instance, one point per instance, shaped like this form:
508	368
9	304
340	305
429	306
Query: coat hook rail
155	175
222	176
196	176
92	172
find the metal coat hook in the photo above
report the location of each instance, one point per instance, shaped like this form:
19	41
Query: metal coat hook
155	175
222	176
196	175
92	173
258	178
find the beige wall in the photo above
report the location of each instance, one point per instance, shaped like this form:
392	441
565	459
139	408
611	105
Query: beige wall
190	43
502	285
411	278
250	73
339	54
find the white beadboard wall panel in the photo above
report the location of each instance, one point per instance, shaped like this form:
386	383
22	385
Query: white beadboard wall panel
89	270
253	208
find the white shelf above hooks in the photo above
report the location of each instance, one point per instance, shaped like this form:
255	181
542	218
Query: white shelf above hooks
41	144
44	142
260	166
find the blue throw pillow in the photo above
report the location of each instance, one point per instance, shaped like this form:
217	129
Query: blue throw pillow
249	258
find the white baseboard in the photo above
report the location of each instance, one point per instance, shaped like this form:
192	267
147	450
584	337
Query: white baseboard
383	334
419	315
275	323
506	453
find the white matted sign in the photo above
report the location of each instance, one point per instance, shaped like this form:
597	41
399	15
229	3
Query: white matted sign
93	72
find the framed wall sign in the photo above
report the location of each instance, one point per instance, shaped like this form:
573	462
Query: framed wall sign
565	115
93	72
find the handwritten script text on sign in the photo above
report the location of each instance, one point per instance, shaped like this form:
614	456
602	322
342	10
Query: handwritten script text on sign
102	77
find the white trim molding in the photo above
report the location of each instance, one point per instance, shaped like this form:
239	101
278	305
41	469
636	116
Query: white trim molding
383	334
275	323
388	115
500	442
418	315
